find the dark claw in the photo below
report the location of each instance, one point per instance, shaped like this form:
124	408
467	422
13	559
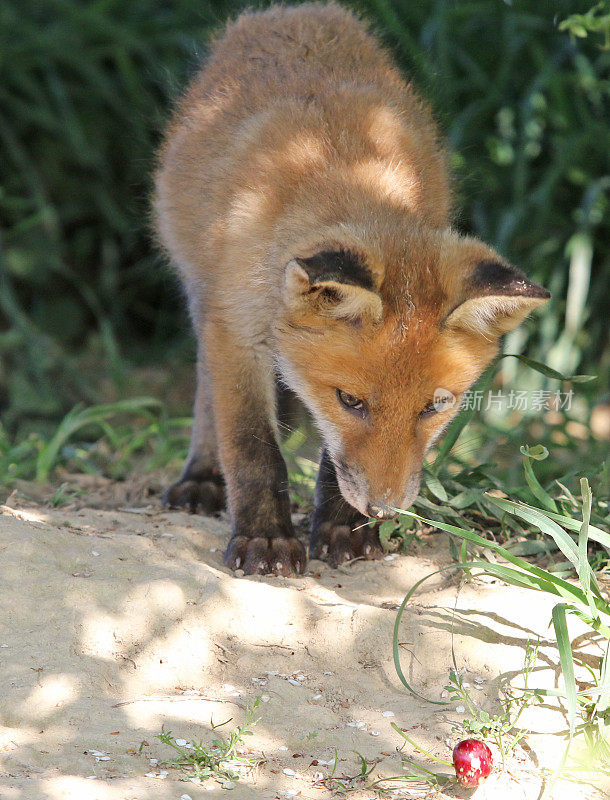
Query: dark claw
339	543
266	556
207	496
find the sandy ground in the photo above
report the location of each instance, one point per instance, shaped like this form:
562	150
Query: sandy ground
115	622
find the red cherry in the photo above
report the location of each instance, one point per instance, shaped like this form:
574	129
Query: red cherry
473	762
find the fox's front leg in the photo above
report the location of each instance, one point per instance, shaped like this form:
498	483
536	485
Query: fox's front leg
338	531
263	539
201	485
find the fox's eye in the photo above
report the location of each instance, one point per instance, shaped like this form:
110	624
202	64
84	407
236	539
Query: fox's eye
352	404
427	411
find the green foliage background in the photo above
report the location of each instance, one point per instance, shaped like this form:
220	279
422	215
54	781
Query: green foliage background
85	86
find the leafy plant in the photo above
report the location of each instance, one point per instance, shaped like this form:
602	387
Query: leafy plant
502	728
221	758
581	25
104	439
351	783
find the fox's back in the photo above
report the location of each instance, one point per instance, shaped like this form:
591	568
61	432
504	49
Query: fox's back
299	52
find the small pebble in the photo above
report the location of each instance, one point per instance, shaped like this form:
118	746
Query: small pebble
94	553
185	797
389	558
374	733
239	573
328	672
317	697
361	725
388	714
154	761
460	709
293	682
213	549
181	742
282	747
264	698
288	771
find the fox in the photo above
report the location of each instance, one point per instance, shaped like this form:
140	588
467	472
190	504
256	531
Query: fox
303	195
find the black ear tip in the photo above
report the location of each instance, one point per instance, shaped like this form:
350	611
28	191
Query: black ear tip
495	277
338	266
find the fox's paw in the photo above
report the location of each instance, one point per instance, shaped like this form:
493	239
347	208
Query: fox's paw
206	495
261	555
339	543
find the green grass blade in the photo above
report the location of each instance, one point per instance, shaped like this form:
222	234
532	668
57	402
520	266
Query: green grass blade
539	518
537	453
395	650
80	417
562	587
566	661
421	749
602	705
585	573
549	372
595	534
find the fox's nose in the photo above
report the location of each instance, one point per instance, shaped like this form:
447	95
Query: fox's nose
381	511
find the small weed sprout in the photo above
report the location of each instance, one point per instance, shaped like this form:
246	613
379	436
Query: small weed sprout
414	773
501	729
221	759
353	782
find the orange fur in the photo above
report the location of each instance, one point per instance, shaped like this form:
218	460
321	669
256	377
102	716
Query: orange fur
299	137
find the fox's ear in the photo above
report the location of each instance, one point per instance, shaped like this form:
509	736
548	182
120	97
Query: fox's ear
497	297
334	282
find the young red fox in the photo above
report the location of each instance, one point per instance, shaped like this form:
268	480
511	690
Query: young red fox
303	196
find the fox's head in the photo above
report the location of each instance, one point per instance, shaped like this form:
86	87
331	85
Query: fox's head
381	342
